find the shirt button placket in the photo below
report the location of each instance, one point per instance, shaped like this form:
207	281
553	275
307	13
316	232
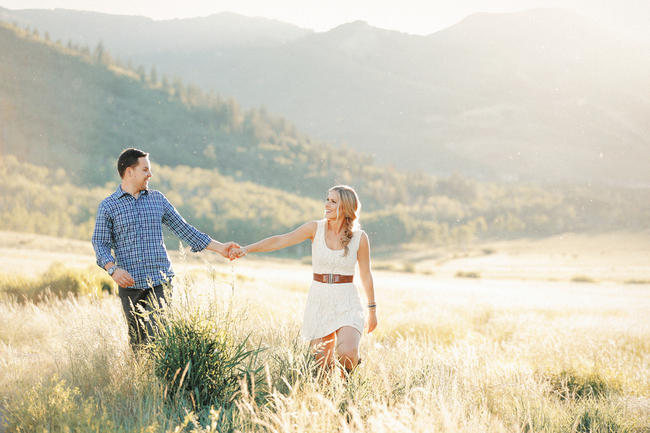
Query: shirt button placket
138	207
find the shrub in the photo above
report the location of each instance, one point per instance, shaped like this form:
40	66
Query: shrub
571	385
582	279
197	357
595	420
467	274
408	267
636	281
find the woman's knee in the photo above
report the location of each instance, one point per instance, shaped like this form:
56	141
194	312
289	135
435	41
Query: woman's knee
348	354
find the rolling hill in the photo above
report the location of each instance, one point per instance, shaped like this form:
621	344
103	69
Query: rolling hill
542	95
66	113
75	110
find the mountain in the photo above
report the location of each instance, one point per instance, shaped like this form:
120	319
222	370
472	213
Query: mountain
541	95
66	113
130	36
76	110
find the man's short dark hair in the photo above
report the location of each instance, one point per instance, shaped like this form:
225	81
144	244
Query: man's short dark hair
129	158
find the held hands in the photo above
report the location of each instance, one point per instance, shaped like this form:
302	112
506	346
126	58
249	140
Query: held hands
227	248
236	253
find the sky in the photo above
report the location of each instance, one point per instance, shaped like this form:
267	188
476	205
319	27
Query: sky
410	16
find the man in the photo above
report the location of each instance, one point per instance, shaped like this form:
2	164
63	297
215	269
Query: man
129	221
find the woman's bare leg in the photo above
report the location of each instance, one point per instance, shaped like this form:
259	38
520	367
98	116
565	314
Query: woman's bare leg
347	346
324	349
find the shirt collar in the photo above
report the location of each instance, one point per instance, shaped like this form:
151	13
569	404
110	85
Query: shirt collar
119	192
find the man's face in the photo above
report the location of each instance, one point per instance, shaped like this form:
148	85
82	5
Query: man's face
140	174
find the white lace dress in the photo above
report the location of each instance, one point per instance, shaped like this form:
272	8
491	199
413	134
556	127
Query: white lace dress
331	306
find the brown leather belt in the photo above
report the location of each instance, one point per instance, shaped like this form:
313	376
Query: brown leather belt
333	278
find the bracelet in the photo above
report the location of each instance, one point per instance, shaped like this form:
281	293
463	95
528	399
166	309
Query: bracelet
373	305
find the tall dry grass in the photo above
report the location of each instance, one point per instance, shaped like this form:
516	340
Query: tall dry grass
57	281
456	356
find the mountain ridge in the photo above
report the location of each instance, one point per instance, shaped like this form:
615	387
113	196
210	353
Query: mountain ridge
74	111
535	95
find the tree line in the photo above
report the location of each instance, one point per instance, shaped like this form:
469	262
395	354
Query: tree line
41	200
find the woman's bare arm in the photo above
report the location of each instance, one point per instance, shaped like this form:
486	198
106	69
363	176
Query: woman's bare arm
277	242
363	256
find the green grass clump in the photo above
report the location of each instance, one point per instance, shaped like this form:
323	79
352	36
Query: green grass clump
54	406
582	279
198	358
57	281
467	274
572	385
408	267
636	281
594	419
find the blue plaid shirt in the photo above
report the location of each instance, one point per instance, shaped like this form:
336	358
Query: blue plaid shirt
133	229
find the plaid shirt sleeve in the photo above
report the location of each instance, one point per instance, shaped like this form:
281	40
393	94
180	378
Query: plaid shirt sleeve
102	237
194	238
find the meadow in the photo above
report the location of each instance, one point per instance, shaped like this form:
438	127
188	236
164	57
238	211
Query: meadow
489	338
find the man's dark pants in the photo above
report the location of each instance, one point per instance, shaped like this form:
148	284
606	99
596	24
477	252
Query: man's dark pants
141	322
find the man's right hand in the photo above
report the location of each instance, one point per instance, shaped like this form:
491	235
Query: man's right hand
123	278
236	253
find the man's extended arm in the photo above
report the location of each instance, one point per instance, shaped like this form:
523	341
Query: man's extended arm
197	240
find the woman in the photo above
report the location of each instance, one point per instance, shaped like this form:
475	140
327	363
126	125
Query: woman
334	317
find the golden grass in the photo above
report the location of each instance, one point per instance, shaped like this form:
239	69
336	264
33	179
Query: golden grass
457	355
57	281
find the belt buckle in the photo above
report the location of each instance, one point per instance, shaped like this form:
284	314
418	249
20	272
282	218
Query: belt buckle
330	279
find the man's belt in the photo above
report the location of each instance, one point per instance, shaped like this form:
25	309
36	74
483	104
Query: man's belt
333	278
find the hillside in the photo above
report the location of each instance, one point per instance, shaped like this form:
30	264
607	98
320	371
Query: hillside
39	200
541	95
66	113
72	109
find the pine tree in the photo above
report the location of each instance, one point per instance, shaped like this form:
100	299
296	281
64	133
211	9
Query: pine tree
101	56
142	73
153	76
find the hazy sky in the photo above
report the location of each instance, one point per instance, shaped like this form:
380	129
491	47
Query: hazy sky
411	16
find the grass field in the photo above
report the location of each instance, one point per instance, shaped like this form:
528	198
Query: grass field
533	349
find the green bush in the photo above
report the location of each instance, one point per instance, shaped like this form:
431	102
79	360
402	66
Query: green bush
592	419
571	385
408	267
197	358
582	279
467	274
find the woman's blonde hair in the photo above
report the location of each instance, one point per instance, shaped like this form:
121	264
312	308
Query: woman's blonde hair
350	207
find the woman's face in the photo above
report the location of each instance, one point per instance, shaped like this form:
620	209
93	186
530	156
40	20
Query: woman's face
331	205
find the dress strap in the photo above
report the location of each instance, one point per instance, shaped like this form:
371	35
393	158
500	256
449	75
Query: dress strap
320	230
